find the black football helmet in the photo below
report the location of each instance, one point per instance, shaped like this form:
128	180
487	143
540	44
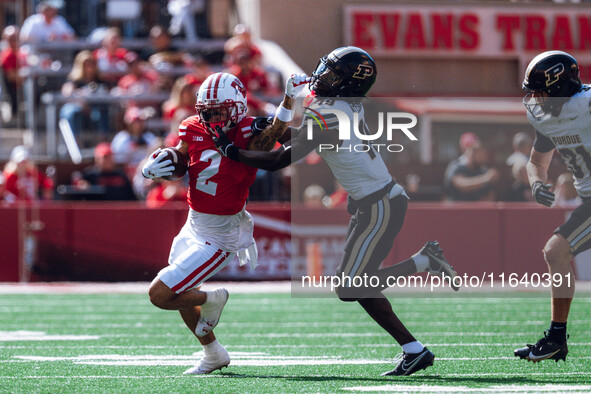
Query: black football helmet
345	72
555	73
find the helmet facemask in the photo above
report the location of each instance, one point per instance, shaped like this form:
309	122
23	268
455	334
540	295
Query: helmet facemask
324	81
223	115
539	103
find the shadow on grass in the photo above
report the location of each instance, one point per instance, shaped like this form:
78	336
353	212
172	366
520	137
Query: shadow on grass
516	380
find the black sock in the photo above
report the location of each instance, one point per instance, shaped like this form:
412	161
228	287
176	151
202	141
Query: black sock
557	332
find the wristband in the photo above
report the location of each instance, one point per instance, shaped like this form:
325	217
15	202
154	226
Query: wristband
283	114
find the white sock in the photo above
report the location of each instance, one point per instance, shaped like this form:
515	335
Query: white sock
212	296
211	347
421	262
413	347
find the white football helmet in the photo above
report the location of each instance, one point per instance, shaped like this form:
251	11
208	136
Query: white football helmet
221	102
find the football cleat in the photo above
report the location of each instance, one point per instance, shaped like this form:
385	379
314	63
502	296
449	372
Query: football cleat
411	363
544	349
211	311
438	264
210	363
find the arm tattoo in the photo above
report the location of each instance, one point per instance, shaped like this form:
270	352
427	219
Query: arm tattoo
266	140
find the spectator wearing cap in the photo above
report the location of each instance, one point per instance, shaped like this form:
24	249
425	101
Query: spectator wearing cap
23	180
241	41
140	79
471	179
104	178
83	81
46	25
131	145
11	60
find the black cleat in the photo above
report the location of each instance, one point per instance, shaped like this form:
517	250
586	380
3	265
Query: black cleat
411	363
544	349
438	264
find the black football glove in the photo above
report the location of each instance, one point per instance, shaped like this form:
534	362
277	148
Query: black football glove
542	193
260	123
224	145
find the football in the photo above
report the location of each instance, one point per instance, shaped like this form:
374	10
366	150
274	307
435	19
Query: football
179	161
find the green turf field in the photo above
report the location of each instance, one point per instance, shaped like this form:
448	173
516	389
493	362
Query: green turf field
121	343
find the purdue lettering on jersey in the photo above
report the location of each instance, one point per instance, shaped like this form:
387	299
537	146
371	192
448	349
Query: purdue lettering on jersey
567	140
360	173
570	132
217	185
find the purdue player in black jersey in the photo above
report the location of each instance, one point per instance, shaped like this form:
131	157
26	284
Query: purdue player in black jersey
378	204
558	109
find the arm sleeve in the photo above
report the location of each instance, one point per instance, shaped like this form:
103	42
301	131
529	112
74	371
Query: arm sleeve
542	143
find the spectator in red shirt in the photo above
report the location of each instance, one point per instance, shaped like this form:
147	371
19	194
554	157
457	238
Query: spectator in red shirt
165	193
110	57
254	79
11	59
140	79
23	180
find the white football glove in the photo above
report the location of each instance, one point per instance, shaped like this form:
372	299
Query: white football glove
293	82
155	167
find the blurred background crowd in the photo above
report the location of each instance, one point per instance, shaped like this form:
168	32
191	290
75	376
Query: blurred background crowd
90	87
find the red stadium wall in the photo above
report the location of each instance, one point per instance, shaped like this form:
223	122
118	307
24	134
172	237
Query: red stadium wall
9	245
114	242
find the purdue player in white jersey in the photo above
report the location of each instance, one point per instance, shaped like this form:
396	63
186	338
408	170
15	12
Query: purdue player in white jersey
558	107
378	204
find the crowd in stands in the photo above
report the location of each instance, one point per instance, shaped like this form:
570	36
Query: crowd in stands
122	131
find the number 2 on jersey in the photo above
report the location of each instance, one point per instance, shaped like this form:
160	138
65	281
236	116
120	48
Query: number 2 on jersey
203	178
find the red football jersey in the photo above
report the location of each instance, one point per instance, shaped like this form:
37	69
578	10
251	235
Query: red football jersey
217	185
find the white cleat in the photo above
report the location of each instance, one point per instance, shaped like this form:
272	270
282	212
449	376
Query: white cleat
210	363
211	311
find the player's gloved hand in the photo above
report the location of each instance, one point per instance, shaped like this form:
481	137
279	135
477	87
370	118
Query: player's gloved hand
542	193
224	145
260	123
293	82
156	167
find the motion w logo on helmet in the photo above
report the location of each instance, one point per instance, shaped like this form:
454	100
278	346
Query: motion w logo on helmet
553	74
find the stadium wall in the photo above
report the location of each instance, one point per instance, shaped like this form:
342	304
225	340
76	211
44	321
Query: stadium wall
486	52
127	242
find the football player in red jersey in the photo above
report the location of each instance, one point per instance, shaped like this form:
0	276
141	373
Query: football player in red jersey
218	225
